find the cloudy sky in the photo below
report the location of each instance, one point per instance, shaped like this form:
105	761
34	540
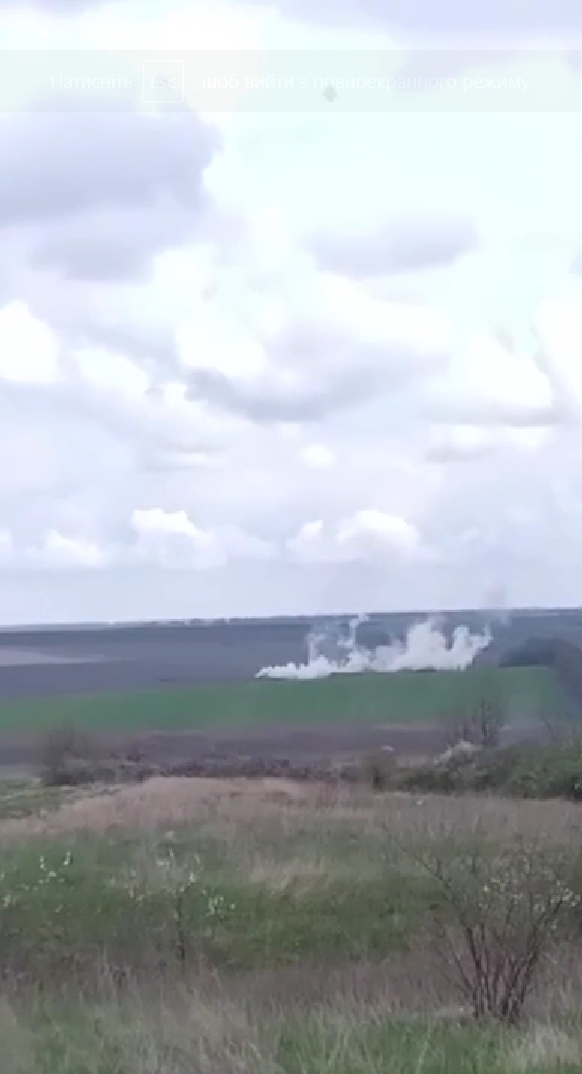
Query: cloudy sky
280	350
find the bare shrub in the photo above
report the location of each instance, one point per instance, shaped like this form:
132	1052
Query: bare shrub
379	768
65	750
560	730
497	915
482	724
70	757
133	751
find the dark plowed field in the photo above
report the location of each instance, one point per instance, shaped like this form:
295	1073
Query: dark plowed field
307	744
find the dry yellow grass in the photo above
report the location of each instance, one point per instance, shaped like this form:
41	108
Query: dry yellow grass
230	806
210	1030
301	872
214	1030
546	1047
284	836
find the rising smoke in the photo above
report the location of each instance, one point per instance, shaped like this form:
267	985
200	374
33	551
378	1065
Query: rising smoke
424	648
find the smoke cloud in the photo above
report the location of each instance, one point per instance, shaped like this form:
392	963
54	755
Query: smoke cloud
424	648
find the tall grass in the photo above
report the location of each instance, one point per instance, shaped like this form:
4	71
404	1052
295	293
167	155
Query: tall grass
235	927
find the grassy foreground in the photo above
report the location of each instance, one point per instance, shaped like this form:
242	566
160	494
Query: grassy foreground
523	692
212	927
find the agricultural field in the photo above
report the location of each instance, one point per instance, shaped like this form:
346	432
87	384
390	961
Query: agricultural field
236	927
265	926
526	694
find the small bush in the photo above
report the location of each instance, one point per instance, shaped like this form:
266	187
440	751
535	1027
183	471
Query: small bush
498	914
481	726
380	769
63	751
521	771
461	751
70	758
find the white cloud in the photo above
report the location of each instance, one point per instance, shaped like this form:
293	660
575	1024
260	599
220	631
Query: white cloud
29	349
374	528
469	442
171	539
61	551
317	456
290	349
367	535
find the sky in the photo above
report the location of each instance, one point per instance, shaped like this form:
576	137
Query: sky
302	331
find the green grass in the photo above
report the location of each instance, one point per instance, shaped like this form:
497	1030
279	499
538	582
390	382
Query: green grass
96	1041
417	1046
257	936
111	1039
526	693
70	906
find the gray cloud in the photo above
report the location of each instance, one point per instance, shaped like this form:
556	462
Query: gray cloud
116	245
309	348
520	19
314	372
91	315
496	414
57	7
173	462
510	515
152	348
116	189
140	424
91	160
85	315
270	399
446	63
403	246
447	453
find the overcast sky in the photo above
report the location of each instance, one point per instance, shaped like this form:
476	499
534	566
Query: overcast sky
289	351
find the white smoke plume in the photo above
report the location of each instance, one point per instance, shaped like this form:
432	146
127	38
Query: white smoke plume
496	604
424	648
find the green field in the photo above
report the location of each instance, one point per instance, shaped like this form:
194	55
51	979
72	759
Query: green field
526	693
